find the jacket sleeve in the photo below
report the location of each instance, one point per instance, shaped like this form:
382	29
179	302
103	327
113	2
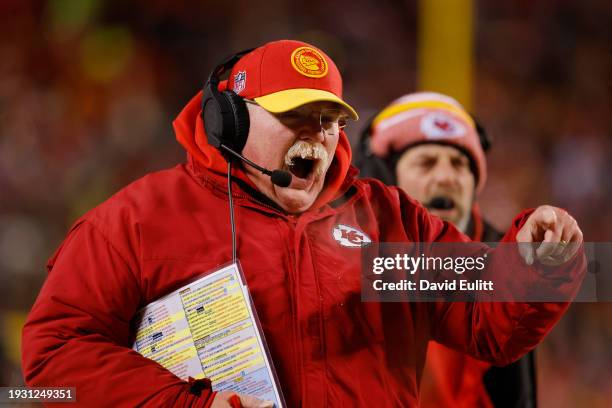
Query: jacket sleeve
78	331
497	332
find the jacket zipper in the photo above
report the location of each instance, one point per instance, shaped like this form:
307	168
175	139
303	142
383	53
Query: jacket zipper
290	224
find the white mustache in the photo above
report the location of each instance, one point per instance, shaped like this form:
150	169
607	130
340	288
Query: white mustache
306	150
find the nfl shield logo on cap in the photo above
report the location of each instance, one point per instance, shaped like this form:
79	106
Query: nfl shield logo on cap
239	82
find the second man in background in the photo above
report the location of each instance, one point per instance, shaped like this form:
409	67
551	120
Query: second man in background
428	145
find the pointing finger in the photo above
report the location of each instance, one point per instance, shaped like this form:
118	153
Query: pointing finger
524	239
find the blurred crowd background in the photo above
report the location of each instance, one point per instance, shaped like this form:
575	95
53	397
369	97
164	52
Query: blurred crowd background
88	90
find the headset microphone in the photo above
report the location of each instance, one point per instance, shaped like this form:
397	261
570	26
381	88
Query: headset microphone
226	120
226	123
280	178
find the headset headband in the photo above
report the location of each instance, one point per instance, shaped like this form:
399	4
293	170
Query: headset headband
226	64
225	115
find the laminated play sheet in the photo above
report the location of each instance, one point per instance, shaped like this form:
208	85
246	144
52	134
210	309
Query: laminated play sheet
208	328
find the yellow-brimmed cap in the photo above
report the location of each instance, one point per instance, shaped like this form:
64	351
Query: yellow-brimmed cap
282	75
288	99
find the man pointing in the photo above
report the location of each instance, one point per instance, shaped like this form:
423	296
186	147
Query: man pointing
328	347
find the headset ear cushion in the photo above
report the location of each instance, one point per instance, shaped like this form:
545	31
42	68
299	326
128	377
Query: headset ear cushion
241	120
213	121
369	164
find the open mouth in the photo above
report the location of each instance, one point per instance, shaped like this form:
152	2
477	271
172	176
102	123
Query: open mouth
302	167
305	160
440	203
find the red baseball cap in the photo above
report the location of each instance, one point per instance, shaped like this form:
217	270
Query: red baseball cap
282	75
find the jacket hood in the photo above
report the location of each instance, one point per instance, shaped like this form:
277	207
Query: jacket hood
190	133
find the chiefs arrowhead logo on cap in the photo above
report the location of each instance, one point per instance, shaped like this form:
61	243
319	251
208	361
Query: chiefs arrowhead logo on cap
309	62
437	125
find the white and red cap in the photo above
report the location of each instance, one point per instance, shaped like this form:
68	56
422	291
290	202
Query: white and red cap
427	117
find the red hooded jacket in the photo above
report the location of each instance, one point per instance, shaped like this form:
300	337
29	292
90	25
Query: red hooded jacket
329	348
453	379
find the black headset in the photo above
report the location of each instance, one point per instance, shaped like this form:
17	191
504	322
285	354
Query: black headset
226	122
368	163
383	169
485	140
225	115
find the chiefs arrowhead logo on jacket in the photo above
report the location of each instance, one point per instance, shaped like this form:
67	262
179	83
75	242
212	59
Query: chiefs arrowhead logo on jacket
349	236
